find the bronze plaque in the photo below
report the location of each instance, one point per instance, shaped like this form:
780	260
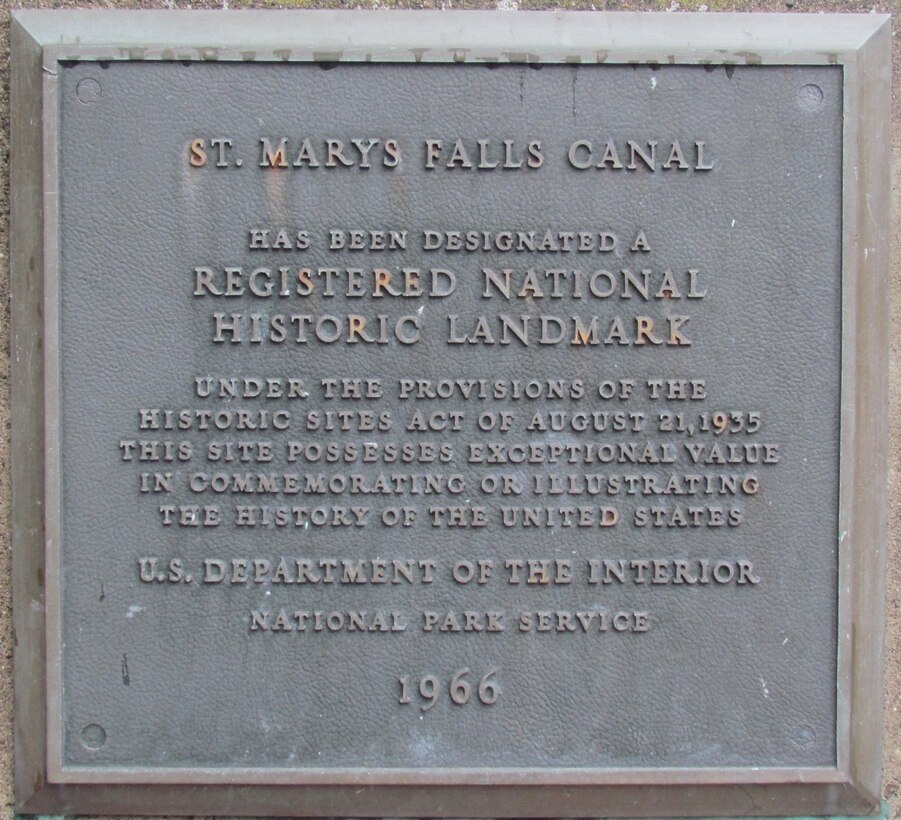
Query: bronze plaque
452	429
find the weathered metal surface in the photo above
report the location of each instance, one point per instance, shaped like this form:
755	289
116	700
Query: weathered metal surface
420	427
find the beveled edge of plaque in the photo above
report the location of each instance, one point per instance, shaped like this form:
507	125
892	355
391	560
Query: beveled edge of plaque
860	44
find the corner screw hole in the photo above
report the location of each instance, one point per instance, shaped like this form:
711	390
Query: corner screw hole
810	97
804	737
93	736
88	91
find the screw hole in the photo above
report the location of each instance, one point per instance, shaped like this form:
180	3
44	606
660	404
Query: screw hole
810	97
93	736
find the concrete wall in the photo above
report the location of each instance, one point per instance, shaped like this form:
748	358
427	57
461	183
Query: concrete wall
892	733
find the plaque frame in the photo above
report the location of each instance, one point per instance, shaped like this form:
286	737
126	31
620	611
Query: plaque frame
860	44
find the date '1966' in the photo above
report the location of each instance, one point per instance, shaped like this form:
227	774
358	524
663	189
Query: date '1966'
459	689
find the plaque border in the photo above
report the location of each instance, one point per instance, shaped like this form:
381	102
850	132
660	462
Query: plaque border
859	43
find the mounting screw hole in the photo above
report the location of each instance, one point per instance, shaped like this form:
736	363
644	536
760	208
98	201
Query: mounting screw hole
804	737
93	736
810	97
88	91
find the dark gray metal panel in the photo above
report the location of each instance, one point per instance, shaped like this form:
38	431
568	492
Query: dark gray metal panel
727	676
